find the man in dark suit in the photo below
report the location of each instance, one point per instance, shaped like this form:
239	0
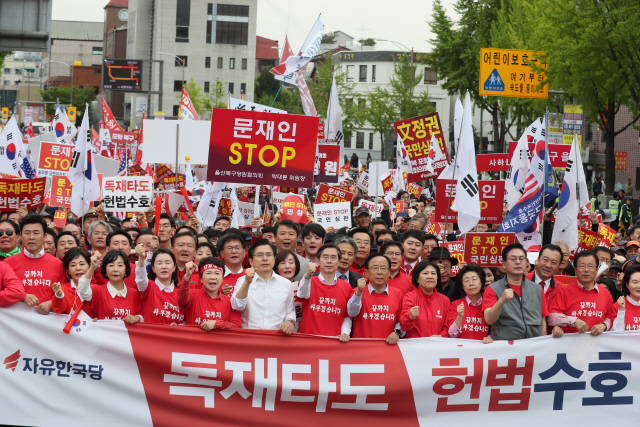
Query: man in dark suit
348	249
547	265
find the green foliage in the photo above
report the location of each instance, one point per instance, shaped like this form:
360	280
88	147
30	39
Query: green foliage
205	102
266	88
3	54
367	42
329	38
81	97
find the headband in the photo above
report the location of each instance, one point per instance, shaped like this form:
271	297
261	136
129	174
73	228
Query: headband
208	267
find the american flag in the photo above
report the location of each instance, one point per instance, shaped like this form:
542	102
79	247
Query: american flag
27	169
122	170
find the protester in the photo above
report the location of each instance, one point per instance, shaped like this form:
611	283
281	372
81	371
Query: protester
222	223
363	240
183	247
98	233
412	242
117	240
9	235
204	250
67	299
626	311
287	265
231	248
443	259
363	217
424	310
264	298
489	275
348	249
430	243
312	237
165	230
549	261
397	279
565	268
286	232
75	230
466	317
66	241
11	289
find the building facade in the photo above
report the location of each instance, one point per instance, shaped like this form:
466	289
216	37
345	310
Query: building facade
216	41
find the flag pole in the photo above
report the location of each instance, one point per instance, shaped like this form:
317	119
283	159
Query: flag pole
84	175
578	194
546	178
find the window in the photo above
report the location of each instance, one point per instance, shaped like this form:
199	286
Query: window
363	73
371	141
232	32
177	86
17	71
243	88
244	63
7	70
360	140
232	63
176	108
7	82
210	9
179	61
97	50
231	88
430	77
219	62
207	62
206	87
373	73
349	67
362	104
347	142
183	18
233	10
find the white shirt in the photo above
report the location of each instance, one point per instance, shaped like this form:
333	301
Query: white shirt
304	289
268	303
30	255
618	322
142	281
547	283
228	272
114	292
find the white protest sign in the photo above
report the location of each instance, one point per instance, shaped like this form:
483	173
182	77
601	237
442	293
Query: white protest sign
127	193
246	212
371	206
363	181
336	215
377	170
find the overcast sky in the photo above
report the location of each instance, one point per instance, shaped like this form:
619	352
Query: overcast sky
404	22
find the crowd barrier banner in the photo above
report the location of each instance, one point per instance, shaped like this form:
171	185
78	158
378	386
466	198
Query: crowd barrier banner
144	374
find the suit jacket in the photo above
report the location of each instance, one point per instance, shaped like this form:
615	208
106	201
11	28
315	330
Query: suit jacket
304	266
353	278
551	292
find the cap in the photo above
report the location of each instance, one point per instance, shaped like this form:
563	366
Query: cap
91	212
362	210
615	265
633	243
404	215
115	220
607	216
47	214
618	249
438	252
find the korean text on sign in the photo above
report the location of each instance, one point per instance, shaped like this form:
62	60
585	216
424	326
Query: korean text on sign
491	201
127	194
506	72
329	194
416	135
55	159
558	153
262	148
485	249
21	193
328	160
336	215
371	206
60	192
456	249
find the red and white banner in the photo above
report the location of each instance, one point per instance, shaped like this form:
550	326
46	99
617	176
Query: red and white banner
558	153
108	118
187	110
157	375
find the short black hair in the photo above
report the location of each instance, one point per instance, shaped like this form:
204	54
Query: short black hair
313	228
361	230
394	235
603	249
584	254
376	255
511	247
268	229
144	233
401	193
72	254
222	218
553	247
212	234
326	246
210	260
633	268
377	221
429	236
632	229
198	236
152	275
53	234
416	234
458	290
281	256
33	219
418	269
186	229
62	234
167	216
261	242
176	236
15	226
386	245
118	232
209	245
230	237
111	257
286	223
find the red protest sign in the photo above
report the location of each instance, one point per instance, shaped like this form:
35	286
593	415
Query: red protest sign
262	148
387	184
329	160
169	182
416	135
492	162
328	194
136	170
608	234
456	249
60	219
558	153
491	201
55	159
433	227
588	240
293	208
21	193
485	249
321	132
163	171
415	189
60	192
224	209
122	137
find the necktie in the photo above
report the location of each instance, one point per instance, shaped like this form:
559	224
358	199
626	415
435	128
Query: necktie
344	277
407	269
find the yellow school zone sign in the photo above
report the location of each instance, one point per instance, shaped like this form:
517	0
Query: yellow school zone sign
504	72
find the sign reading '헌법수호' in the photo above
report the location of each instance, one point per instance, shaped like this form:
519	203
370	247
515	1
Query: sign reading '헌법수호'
262	148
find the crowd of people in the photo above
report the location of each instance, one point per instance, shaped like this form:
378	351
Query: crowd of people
377	279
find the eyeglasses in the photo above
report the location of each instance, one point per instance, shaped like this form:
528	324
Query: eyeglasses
362	242
9	232
99	234
586	267
263	255
164	226
232	248
376	268
516	259
605	260
329	257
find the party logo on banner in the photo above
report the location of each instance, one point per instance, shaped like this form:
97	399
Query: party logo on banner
336	215
329	194
55	159
127	193
262	148
21	193
485	249
491	201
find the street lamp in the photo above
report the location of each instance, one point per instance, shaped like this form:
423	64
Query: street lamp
75	63
405	51
178	59
182	62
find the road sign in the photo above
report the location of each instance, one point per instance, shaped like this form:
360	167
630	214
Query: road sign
71	113
5	112
572	123
505	72
122	74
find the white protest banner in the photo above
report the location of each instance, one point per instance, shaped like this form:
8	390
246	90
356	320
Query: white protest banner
246	213
363	181
371	206
336	215
377	170
127	193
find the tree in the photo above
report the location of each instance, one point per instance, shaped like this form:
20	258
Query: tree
329	38
2	56
379	113
320	88
266	88
81	97
205	102
367	42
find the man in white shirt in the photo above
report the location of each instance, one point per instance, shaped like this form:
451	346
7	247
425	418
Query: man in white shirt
412	242
264	298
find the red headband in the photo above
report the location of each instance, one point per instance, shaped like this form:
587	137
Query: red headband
210	266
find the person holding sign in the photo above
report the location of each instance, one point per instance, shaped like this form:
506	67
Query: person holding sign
584	305
424	310
376	306
626	312
324	311
521	310
466	318
207	307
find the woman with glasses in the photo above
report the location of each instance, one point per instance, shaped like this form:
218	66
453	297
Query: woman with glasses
288	266
466	317
424	310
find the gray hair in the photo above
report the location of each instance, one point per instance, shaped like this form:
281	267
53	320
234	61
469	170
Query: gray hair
97	223
422	224
345	239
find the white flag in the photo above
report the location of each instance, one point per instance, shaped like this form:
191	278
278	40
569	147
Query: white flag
187	110
402	157
210	202
519	166
333	123
435	154
12	152
309	50
467	198
188	177
82	173
398	181
573	196
447	173
236	216
64	129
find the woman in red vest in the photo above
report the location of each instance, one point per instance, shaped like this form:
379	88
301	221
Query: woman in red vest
626	312
466	317
76	263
